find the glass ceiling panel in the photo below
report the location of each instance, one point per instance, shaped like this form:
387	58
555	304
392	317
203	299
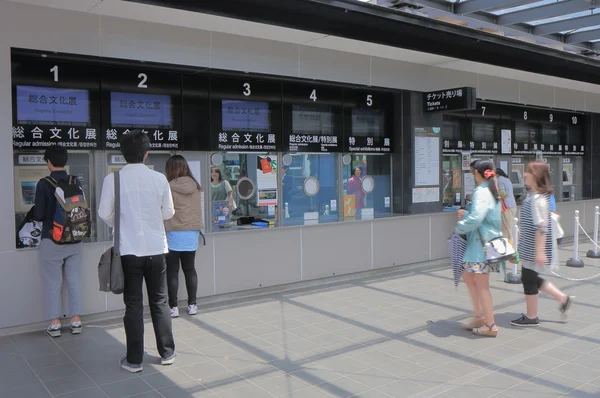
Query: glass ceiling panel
524	7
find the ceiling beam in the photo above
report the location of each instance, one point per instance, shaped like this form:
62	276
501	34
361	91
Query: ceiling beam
547	11
566	25
581	37
472	6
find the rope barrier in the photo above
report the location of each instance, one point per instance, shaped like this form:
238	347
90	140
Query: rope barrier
576	279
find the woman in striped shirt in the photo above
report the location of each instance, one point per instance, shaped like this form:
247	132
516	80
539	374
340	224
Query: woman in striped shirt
536	245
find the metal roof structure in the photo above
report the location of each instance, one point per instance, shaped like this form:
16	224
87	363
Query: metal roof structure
568	25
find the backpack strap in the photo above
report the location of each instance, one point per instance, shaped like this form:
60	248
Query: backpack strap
51	181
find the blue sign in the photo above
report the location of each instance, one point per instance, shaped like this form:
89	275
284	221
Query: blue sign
245	116
52	106
140	110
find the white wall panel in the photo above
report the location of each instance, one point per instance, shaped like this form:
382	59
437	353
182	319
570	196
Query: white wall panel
248	54
442	226
255	259
129	39
400	241
336	249
338	66
398	74
7	218
592	102
536	94
442	78
49	29
498	88
569	99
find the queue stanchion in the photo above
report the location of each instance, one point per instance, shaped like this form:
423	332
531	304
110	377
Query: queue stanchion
593	252
575	261
513	276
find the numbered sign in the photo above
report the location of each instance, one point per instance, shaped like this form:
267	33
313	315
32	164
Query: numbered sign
145	100
312	118
246	115
368	121
54	103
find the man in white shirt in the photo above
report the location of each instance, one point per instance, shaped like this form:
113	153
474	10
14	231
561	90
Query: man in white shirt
145	203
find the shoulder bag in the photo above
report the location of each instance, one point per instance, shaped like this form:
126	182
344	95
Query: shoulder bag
110	269
497	249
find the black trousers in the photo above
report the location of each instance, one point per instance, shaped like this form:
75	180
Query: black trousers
189	271
153	270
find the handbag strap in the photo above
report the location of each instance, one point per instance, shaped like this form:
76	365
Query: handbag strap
117	228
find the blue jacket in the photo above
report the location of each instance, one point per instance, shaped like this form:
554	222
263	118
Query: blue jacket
484	216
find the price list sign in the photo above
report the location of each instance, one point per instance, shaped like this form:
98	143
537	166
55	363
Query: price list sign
149	101
54	104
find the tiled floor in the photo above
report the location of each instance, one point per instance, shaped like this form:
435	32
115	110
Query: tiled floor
395	335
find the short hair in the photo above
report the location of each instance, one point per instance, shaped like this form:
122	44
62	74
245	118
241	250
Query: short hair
134	146
57	155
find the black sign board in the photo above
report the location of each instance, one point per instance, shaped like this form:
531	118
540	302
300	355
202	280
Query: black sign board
312	118
246	115
367	122
196	115
54	103
145	100
455	99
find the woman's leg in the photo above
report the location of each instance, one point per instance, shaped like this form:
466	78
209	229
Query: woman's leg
191	278
551	290
173	276
482	283
531	284
469	279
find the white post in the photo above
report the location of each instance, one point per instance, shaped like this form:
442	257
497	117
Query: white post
515	268
575	261
513	276
593	252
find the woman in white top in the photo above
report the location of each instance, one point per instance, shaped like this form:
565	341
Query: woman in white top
536	246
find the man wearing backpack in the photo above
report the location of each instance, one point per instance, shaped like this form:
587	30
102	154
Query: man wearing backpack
145	202
60	251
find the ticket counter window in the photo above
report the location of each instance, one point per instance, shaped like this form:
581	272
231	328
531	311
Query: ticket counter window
452	180
309	188
572	179
243	186
366	181
29	168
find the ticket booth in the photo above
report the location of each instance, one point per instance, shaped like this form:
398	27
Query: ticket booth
366	162
54	103
244	140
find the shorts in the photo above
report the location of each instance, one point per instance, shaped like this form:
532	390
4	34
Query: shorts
480	268
531	282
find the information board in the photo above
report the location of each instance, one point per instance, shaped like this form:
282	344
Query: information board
368	121
145	100
312	118
463	98
245	115
54	103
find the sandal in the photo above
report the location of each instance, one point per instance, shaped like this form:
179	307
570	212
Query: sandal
475	322
486	330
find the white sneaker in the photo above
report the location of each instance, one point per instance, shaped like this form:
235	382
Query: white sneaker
192	309
174	312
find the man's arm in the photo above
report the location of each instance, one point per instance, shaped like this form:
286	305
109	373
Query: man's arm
41	201
168	209
106	209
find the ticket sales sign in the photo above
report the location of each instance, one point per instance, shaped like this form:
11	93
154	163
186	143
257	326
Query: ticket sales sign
456	99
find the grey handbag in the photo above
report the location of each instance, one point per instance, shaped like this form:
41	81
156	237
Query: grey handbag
110	269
